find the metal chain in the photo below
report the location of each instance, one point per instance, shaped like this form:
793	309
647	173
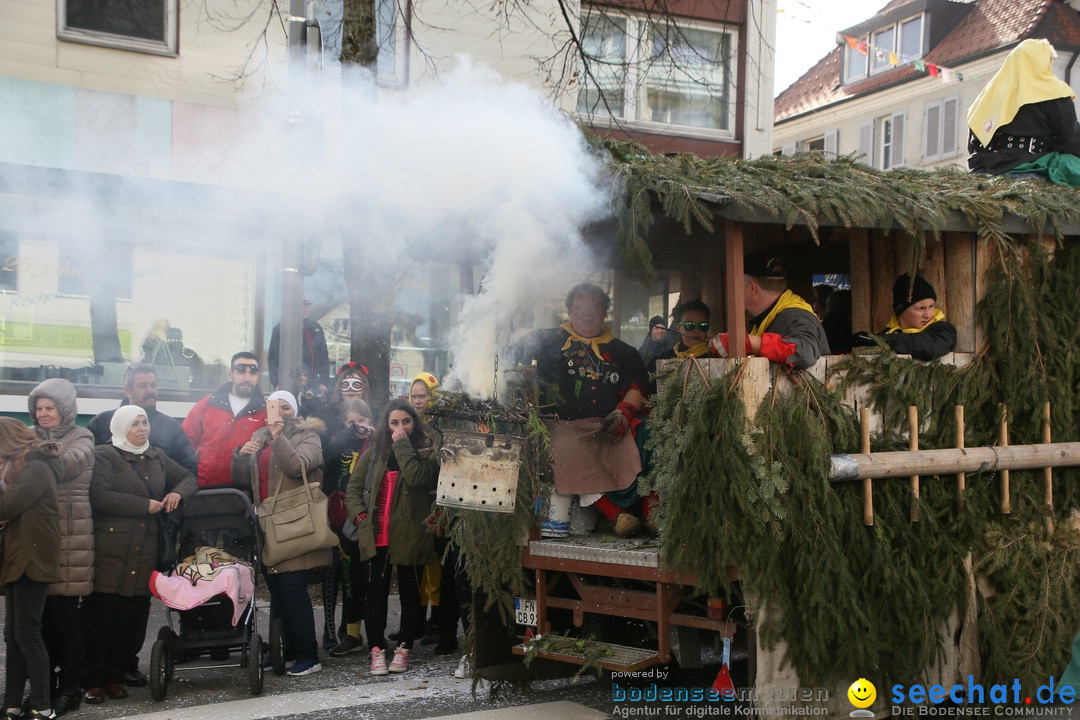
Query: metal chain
495	381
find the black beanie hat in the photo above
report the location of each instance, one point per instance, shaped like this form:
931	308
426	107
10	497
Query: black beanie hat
921	290
657	320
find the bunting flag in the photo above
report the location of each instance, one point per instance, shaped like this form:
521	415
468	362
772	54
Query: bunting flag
881	55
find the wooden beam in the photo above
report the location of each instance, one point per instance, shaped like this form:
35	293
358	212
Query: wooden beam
983	260
949	461
960	287
861	287
933	268
733	288
883	274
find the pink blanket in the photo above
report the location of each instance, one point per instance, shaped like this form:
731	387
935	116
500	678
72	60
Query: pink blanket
236	580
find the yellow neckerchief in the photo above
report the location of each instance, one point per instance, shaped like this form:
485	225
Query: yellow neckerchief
1026	77
784	302
593	342
702	348
894	323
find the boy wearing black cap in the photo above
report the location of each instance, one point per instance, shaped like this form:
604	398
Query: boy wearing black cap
917	328
782	326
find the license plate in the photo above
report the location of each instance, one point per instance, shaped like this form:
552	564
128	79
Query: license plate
524	611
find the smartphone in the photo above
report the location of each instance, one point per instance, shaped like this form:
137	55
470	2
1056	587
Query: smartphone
273	411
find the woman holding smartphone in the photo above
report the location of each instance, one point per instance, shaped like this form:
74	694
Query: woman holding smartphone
279	456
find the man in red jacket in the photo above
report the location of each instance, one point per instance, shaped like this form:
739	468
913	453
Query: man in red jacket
225	420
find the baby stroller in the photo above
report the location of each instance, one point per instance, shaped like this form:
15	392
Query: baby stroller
211	601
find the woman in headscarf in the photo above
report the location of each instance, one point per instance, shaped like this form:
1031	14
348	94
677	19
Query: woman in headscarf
1024	113
31	470
132	482
52	409
917	328
389	502
279	457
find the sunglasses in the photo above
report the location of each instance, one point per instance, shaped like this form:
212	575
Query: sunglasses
246	369
353	384
701	326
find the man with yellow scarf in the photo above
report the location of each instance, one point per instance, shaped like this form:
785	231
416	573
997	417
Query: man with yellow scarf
595	384
917	328
782	326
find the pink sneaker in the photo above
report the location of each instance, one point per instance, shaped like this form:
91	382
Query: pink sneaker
378	662
400	663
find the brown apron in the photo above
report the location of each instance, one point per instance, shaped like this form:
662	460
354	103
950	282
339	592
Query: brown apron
587	461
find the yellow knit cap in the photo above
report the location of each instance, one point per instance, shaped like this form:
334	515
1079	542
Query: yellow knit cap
428	379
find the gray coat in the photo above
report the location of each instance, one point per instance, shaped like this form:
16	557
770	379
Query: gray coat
125	532
76	568
802	328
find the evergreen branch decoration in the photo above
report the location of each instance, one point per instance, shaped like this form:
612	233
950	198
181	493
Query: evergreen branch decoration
811	189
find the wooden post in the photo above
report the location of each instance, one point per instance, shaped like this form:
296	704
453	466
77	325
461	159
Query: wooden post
868	483
913	444
960	288
861	286
983	257
883	271
961	477
1048	473
1003	441
736	299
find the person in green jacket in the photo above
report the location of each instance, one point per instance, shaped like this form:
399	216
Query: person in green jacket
389	501
30	469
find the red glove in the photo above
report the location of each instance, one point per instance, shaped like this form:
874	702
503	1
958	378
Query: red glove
720	346
617	422
774	348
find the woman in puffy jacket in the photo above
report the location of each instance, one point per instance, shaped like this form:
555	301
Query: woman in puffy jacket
389	501
52	408
30	470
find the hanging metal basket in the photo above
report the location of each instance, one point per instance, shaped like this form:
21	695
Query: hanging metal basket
480	471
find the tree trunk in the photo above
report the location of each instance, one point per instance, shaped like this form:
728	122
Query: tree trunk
371	283
370	278
104	328
358	43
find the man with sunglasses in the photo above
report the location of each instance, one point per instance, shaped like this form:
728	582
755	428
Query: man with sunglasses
226	419
692	331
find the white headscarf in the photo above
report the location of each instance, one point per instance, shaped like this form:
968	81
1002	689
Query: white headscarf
287	397
122	420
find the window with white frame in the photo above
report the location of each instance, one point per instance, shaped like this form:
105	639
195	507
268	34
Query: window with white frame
391	38
856	62
645	71
141	25
940	134
881	142
823	143
903	39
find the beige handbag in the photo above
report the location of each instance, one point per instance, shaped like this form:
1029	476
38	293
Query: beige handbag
293	523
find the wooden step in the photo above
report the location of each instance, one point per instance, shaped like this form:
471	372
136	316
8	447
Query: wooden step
619	658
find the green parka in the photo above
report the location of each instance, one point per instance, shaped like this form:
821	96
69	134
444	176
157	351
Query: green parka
28	506
410	541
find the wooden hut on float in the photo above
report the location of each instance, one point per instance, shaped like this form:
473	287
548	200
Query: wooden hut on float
925	579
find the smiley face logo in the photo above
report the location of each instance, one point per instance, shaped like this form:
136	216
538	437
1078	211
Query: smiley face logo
862	693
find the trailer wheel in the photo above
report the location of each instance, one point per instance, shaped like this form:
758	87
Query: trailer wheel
255	664
277	645
160	669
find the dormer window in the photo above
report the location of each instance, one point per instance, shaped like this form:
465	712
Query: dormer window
894	44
